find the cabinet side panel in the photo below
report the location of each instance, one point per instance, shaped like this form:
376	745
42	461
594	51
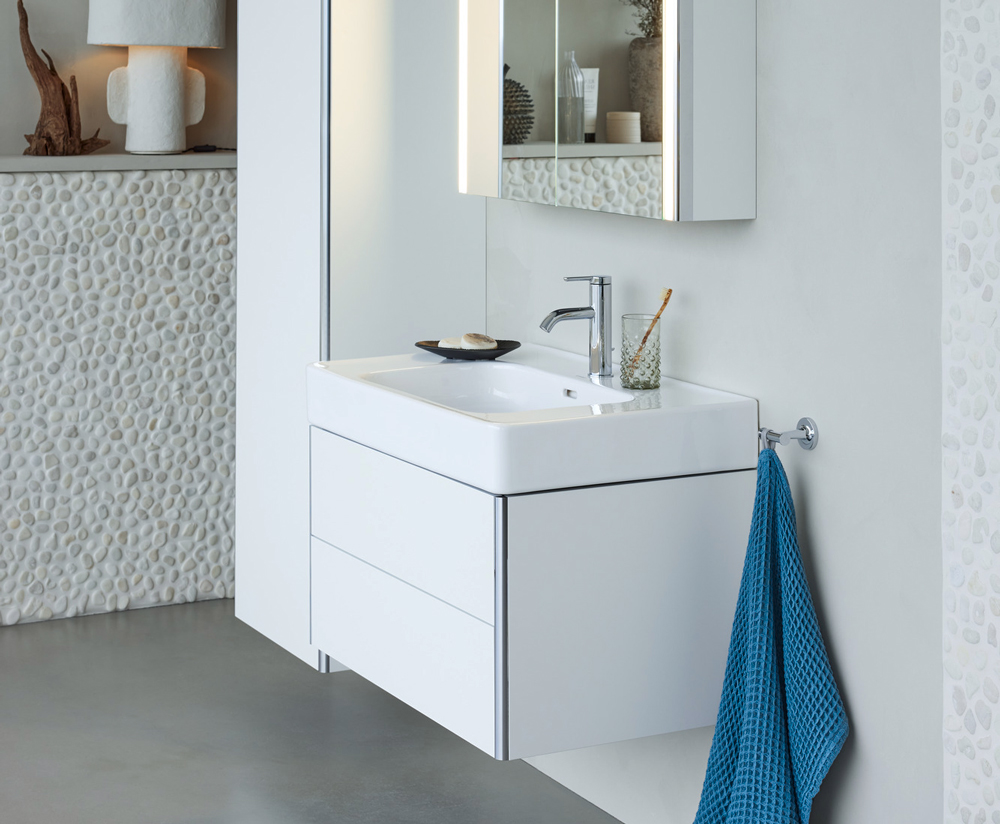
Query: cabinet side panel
723	63
278	328
426	653
620	606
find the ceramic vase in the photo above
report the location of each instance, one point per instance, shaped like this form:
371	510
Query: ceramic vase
645	75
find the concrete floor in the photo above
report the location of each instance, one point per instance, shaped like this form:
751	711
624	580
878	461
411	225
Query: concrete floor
184	714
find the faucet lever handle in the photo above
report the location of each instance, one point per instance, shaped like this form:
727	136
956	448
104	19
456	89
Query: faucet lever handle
596	280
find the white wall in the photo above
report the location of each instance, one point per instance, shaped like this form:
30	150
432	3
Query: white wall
60	27
828	305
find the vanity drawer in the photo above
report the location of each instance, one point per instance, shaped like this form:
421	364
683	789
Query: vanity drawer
429	531
431	656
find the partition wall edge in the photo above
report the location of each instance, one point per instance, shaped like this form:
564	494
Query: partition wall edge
279	311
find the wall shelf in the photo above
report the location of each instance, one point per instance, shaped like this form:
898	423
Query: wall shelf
569	150
100	162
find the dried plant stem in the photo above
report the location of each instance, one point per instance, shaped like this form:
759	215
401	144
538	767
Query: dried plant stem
638	354
58	130
648	16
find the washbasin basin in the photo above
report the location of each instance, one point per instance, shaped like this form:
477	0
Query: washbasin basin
532	422
493	387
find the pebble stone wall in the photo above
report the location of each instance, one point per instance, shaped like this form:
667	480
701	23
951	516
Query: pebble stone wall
621	185
971	439
117	401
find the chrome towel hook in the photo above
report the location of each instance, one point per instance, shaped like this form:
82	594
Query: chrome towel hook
806	433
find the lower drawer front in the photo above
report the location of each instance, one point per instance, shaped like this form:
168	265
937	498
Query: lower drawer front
435	658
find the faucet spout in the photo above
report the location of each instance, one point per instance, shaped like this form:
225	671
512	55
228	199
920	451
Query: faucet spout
582	312
599	315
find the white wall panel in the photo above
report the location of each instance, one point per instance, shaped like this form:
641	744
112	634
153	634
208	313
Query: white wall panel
278	314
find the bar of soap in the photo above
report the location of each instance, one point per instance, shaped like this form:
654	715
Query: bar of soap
450	343
474	341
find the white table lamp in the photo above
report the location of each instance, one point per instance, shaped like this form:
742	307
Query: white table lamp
157	96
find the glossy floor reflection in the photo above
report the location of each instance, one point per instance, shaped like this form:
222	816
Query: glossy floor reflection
184	714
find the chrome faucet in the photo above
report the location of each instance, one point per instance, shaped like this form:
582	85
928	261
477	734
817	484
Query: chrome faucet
599	315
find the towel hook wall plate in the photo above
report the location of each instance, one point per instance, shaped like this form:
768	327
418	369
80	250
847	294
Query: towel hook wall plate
806	433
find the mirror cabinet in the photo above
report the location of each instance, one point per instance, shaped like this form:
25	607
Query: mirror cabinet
635	107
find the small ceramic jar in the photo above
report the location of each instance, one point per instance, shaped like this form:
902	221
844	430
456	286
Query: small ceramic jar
624	127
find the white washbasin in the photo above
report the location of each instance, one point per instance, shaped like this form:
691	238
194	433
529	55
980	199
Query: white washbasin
491	387
530	422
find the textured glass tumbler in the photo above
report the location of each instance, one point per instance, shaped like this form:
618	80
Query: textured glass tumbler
644	373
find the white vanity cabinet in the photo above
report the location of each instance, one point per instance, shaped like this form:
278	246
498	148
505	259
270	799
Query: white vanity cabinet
530	623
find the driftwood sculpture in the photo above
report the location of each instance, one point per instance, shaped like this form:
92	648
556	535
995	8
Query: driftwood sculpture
58	129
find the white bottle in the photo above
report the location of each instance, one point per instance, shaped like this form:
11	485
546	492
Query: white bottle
571	100
590	81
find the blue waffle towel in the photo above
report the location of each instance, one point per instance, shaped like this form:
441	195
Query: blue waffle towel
781	721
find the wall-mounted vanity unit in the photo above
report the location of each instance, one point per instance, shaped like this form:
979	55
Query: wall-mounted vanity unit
537	562
698	158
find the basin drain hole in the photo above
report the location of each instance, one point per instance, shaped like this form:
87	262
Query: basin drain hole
569	393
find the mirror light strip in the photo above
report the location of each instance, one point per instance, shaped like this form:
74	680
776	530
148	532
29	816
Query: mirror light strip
500	92
463	96
480	97
671	99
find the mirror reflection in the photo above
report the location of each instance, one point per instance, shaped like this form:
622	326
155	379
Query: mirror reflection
636	107
582	104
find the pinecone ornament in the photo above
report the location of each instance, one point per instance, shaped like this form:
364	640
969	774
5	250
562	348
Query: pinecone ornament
518	111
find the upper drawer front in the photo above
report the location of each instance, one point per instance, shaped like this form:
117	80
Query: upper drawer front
434	533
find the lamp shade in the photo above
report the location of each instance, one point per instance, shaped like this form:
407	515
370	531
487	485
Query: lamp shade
190	23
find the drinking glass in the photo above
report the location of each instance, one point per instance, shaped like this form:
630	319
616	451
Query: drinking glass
640	369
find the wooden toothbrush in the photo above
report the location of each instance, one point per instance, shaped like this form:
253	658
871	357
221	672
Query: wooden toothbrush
665	295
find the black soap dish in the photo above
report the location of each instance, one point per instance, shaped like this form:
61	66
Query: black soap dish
503	347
